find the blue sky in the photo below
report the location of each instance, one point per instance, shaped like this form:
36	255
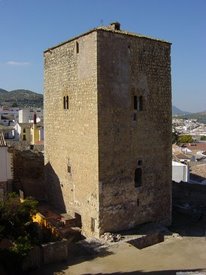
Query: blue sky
28	27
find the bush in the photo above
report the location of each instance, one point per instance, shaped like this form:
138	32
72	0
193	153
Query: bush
203	138
16	220
14	216
185	139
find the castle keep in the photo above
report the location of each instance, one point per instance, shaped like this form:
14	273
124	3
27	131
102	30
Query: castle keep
107	103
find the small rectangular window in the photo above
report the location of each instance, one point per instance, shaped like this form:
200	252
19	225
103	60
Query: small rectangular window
135	102
69	169
138	177
77	47
66	102
92	224
138	103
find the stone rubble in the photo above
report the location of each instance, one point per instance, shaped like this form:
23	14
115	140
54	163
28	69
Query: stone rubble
111	237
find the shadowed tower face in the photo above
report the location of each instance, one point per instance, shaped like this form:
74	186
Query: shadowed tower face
108	129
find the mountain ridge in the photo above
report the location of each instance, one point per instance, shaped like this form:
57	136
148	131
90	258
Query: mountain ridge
20	98
177	111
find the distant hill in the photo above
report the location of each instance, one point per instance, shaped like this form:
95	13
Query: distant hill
176	111
20	98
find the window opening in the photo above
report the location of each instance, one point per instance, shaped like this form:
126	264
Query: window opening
138	103
135	102
77	47
92	224
69	169
138	177
66	102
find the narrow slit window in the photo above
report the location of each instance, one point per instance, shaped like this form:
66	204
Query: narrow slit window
92	224
69	170
77	47
135	102
138	177
66	102
140	103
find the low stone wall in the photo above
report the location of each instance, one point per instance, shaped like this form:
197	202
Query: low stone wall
34	259
148	240
55	252
193	194
47	253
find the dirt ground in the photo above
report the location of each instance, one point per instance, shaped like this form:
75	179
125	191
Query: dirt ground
181	253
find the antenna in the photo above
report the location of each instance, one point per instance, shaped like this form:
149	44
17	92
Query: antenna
101	22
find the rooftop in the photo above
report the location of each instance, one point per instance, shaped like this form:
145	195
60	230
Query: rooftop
114	28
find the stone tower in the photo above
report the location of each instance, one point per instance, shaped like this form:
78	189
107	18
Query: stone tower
107	118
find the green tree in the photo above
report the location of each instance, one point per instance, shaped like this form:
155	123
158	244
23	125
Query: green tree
15	226
14	104
203	138
185	139
15	216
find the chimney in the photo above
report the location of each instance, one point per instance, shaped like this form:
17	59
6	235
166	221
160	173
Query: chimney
115	26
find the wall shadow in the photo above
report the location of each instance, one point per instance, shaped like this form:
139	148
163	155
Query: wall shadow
64	269
189	209
53	189
87	251
160	272
196	177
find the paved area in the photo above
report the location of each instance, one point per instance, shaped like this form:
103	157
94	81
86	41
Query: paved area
186	255
183	252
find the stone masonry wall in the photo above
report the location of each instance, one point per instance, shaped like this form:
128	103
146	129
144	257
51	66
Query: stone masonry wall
71	139
29	174
131	66
93	148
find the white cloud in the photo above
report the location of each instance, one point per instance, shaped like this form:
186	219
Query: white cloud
17	63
